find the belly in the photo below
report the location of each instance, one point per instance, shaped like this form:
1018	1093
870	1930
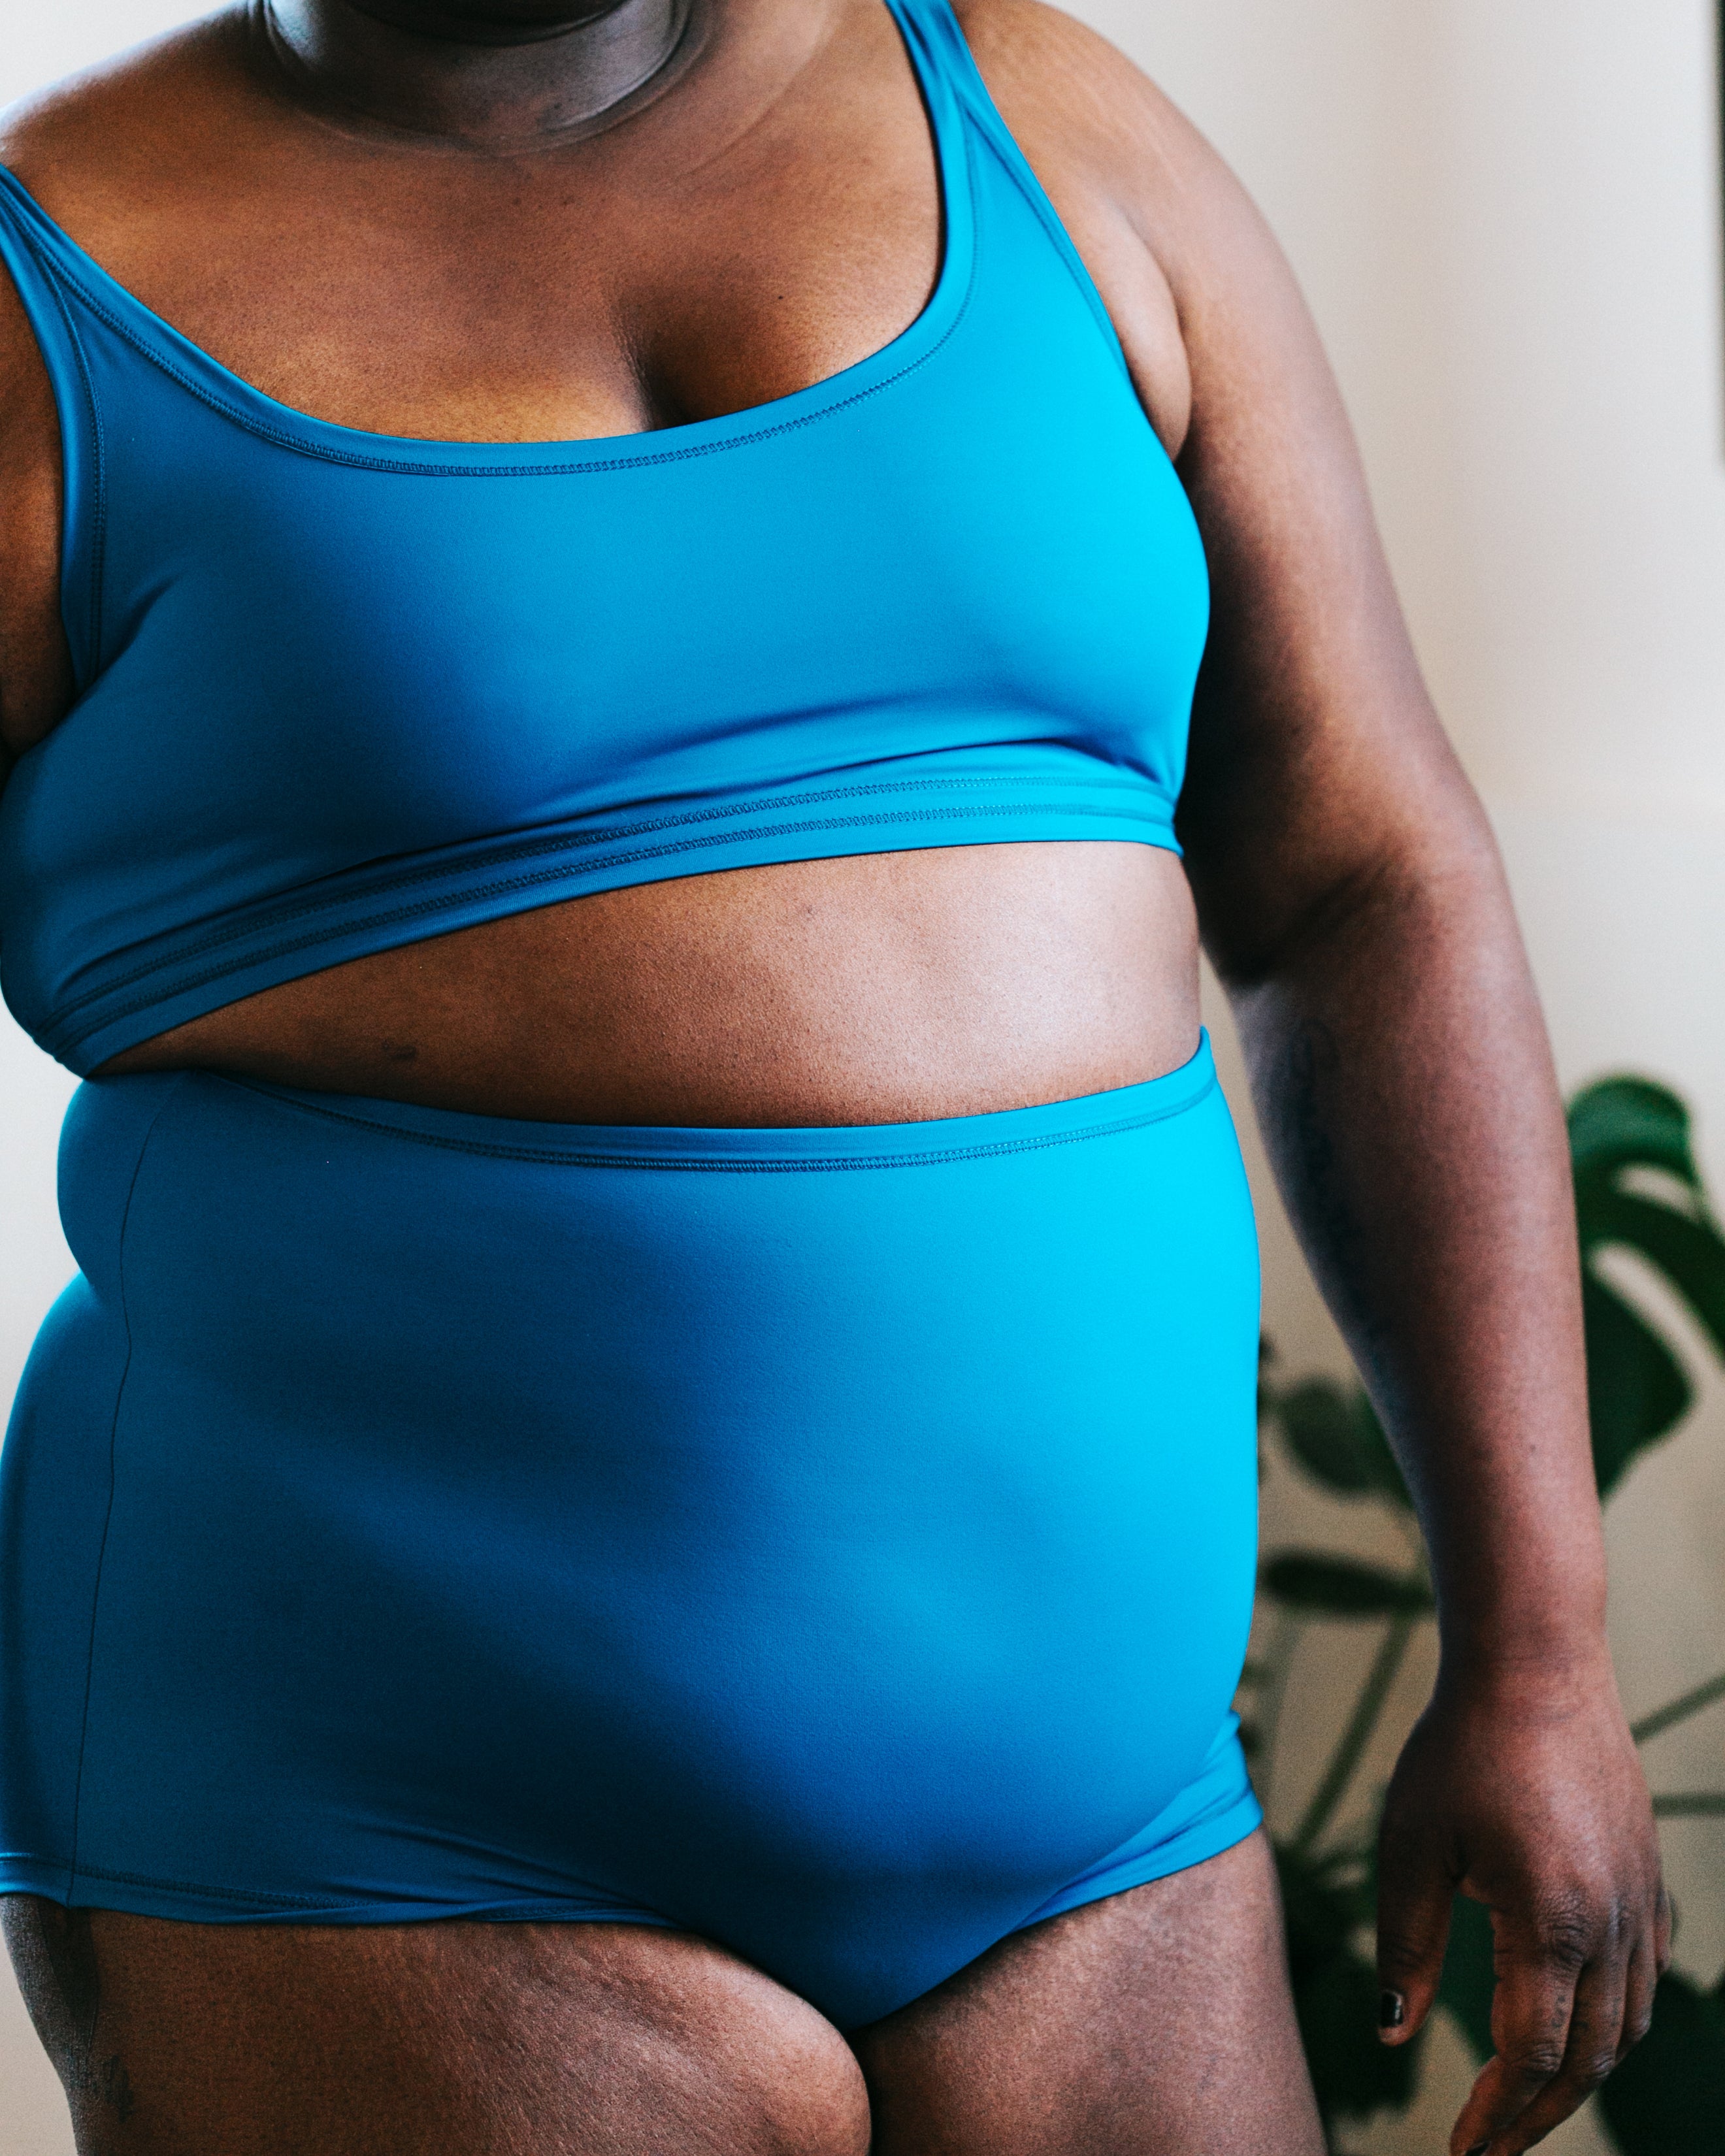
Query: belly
882	988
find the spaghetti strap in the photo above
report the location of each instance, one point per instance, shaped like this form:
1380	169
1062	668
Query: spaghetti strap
26	247
28	252
935	27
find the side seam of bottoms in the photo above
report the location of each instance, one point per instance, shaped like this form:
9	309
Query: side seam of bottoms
56	1470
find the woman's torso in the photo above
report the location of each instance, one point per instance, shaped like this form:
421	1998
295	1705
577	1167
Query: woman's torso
771	219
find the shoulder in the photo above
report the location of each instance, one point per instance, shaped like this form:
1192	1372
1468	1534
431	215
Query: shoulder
1030	45
102	149
1161	222
1078	104
1091	121
1070	94
105	127
90	149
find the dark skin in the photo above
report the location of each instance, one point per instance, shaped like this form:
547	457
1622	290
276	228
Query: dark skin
362	211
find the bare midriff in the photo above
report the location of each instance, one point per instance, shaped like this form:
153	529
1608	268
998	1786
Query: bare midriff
883	988
872	988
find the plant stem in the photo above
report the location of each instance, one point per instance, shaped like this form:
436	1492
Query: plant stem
1695	1804
1279	1660
1366	1708
1678	1710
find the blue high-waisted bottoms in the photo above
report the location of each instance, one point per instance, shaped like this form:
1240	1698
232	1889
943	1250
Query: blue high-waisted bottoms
837	1543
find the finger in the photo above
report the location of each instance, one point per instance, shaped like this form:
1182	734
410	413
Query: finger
1539	1965
1638	1989
1415	1893
1665	1928
1594	2040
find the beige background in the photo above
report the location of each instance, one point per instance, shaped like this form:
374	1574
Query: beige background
1507	221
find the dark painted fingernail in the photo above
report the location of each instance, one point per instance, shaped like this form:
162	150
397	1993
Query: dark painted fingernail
1479	2149
1392	2012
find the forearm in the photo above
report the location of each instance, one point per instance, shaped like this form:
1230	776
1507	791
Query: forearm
1352	902
1405	1088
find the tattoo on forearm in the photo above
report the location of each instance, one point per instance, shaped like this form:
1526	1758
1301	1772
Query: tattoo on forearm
1310	1067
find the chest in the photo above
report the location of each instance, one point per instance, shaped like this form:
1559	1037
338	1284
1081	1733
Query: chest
781	220
755	238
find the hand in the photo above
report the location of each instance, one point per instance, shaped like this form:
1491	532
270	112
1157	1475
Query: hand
1523	1790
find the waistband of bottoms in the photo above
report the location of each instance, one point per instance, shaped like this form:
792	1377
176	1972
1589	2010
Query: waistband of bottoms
775	1149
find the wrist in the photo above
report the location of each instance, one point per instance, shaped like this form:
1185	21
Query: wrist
1524	1614
1528	1671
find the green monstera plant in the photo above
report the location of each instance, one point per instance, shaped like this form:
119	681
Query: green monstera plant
1637	1188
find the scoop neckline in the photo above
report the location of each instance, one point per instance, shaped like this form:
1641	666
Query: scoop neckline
218	386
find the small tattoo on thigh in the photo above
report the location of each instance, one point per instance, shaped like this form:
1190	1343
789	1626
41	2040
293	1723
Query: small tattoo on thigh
113	2085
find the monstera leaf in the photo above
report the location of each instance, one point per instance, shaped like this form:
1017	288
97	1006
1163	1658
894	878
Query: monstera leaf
1469	1973
1668	2096
1324	1586
1637	1188
1335	1436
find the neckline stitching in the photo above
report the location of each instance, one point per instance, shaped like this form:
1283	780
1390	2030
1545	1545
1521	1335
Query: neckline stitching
61	263
415	468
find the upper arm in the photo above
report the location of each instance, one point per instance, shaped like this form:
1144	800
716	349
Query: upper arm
1317	762
1318	766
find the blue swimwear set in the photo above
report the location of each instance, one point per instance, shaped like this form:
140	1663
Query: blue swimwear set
835	1541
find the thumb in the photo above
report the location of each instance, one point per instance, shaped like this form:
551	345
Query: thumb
1414	1893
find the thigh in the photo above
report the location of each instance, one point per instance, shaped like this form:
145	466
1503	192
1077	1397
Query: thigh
498	2040
1157	2023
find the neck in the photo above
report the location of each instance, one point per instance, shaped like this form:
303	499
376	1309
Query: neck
493	76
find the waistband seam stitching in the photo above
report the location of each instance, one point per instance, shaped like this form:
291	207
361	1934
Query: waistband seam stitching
932	1156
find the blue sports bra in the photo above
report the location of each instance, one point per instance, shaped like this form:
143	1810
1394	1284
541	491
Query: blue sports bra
339	690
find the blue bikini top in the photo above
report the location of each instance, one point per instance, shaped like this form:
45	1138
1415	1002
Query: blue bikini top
339	690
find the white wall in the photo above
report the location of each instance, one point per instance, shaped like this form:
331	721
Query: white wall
1507	221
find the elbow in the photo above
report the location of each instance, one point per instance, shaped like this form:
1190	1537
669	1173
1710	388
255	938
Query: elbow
1380	894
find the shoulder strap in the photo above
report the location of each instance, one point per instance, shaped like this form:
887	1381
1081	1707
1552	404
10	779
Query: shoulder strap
27	253
938	32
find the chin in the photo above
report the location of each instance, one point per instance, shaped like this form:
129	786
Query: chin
488	21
